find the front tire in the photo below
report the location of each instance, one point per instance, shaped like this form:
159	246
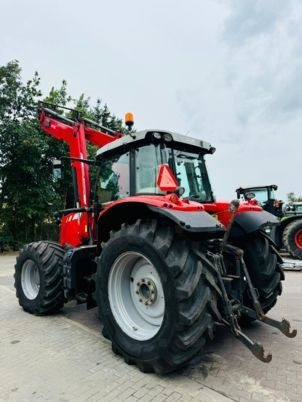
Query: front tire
170	330
38	278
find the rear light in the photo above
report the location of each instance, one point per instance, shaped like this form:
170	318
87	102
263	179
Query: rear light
267	230
174	199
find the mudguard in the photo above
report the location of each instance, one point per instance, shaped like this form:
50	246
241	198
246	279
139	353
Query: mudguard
191	221
250	221
188	215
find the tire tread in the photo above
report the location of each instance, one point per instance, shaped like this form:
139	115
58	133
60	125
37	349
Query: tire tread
195	296
49	256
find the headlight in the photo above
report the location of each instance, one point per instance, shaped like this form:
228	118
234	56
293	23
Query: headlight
156	135
267	229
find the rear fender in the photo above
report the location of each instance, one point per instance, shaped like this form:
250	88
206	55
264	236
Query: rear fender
248	222
190	217
191	221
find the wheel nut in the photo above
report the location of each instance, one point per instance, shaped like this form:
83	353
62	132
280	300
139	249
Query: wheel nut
137	292
149	283
143	280
140	300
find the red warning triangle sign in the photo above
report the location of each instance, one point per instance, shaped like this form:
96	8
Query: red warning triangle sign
166	180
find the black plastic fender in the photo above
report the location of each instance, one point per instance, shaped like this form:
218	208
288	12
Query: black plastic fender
249	222
192	221
199	222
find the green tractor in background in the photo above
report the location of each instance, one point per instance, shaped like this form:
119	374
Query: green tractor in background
289	233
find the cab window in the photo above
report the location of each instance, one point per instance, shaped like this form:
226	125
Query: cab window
147	161
113	180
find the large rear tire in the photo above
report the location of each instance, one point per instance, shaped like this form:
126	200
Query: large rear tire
292	238
38	278
264	269
155	296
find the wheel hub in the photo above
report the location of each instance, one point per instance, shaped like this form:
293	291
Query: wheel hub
147	292
298	239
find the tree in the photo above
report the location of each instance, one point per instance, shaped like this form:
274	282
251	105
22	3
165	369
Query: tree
291	197
29	193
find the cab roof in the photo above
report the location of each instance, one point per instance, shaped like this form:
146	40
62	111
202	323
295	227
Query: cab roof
144	134
271	186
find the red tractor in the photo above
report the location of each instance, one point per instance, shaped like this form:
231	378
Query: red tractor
164	262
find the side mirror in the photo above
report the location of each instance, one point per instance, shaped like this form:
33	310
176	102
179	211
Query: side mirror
57	169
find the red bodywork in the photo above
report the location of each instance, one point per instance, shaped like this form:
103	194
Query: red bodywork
77	228
221	209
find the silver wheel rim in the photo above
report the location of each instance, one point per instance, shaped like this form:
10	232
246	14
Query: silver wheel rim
30	279
136	296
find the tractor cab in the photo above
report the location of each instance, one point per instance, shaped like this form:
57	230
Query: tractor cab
265	195
293	208
131	166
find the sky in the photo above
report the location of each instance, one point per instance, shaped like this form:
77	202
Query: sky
226	71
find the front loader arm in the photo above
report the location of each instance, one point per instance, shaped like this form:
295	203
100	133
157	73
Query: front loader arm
76	132
73	134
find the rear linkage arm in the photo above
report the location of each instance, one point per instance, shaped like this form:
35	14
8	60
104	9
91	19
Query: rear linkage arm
283	325
231	319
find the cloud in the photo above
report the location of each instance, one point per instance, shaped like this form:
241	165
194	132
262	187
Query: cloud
250	105
252	18
264	67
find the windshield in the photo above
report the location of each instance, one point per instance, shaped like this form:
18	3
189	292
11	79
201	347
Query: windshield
189	169
192	175
261	195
